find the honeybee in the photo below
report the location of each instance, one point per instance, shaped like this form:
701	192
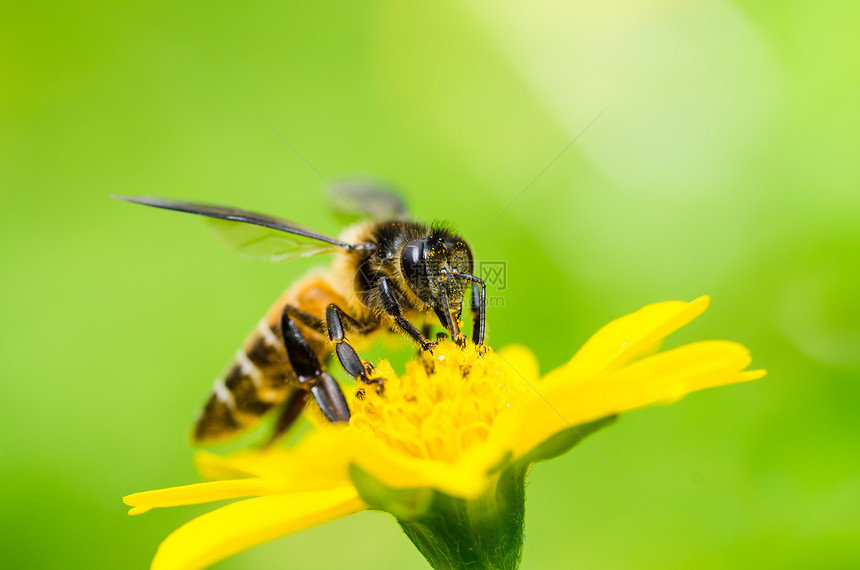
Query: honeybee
387	271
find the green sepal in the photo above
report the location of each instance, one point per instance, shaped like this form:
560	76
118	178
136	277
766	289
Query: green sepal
402	503
563	441
454	533
477	534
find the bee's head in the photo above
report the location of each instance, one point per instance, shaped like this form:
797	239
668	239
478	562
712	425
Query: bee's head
432	267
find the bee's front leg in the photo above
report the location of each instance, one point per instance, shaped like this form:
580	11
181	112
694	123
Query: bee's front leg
478	305
393	311
479	312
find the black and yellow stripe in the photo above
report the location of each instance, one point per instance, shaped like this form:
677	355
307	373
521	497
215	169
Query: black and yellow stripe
261	378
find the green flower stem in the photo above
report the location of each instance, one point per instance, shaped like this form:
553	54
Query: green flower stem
479	534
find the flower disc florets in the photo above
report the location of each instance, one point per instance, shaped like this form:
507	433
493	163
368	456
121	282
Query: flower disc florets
444	404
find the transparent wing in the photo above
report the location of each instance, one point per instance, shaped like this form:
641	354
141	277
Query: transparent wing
253	235
356	199
266	244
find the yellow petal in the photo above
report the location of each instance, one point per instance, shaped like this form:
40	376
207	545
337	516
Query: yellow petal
319	461
199	493
214	467
627	338
522	360
670	375
239	526
664	377
468	477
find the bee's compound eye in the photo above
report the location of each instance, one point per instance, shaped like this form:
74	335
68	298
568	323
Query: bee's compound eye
414	266
413	255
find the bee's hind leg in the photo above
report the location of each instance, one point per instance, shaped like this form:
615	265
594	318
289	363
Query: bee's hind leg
305	318
290	412
337	322
310	372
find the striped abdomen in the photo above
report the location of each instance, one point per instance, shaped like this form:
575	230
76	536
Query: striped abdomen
261	378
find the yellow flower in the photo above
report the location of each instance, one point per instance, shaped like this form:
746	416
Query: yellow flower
446	447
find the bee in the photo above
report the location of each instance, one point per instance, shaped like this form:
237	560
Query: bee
388	270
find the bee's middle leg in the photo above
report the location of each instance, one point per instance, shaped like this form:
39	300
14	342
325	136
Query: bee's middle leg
310	371
337	322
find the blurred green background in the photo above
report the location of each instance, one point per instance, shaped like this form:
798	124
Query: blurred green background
725	163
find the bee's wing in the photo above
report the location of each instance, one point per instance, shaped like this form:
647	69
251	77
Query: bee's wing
258	242
253	235
363	198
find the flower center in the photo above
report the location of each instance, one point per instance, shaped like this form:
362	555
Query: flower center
443	405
